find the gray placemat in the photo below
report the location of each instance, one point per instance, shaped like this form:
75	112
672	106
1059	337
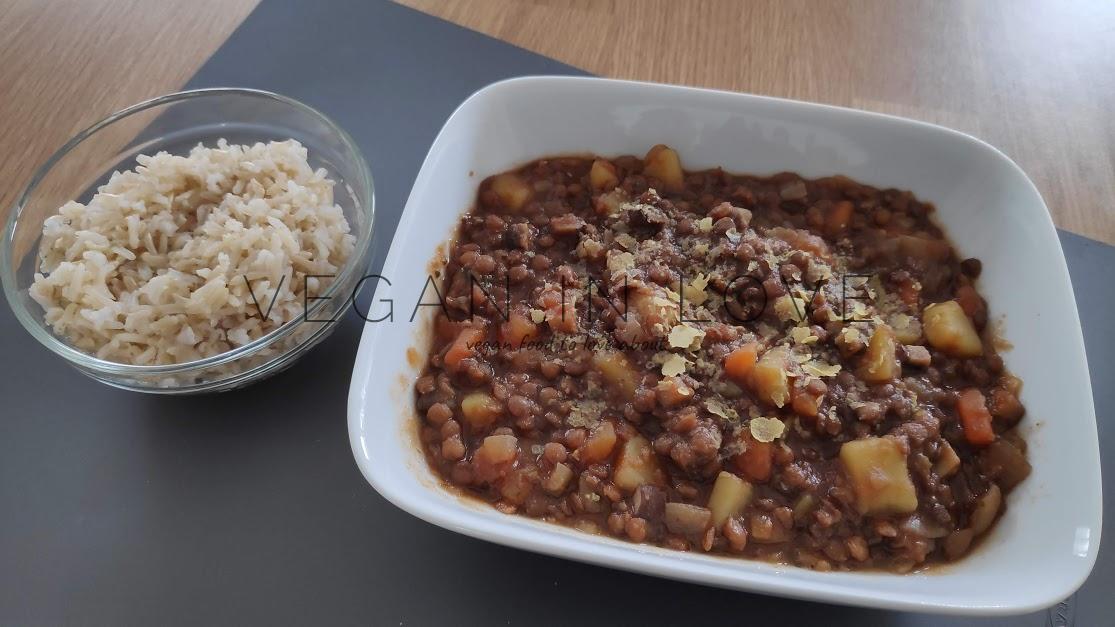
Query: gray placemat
247	508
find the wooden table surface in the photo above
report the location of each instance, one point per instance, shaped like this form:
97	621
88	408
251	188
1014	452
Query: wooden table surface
1034	78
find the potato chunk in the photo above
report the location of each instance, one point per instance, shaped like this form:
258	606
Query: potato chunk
880	363
673	392
948	462
602	176
730	495
609	203
637	465
513	192
876	468
950	331
769	378
618	372
687	520
497	449
662	163
907	329
986	510
558	480
599	444
480	410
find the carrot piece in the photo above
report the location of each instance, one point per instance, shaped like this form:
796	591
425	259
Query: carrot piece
756	461
519	328
462	347
805	404
740	362
974	417
839	217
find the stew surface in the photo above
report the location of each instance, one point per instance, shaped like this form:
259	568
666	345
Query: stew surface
792	370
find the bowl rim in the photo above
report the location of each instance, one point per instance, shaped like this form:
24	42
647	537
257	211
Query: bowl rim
424	500
58	346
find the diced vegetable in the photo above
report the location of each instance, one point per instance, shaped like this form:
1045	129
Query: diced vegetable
1012	384
480	410
662	163
513	192
599	444
876	468
517	329
880	364
756	460
970	301
610	202
637	465
958	542
730	495
497	449
806	404
986	510
462	347
765	529
921	525
974	417
1005	406
740	362
517	485
918	356
649	503
658	312
801	239
923	248
673	391
602	176
590	500
804	506
769	377
950	331
907	329
558	480
687	520
618	372
839	217
948	462
1003	461
559	309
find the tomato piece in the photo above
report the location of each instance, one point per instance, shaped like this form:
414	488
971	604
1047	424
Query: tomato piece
757	460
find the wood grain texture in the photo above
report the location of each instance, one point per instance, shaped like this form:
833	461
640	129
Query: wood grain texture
66	64
1036	79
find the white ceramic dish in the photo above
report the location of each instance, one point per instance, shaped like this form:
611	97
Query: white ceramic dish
1046	543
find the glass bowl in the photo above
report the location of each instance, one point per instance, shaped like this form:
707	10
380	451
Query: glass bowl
176	123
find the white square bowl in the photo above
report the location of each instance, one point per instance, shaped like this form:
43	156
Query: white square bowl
1045	545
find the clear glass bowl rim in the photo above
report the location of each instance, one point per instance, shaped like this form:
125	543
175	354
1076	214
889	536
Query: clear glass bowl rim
84	360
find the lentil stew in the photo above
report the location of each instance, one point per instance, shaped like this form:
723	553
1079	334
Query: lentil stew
798	371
